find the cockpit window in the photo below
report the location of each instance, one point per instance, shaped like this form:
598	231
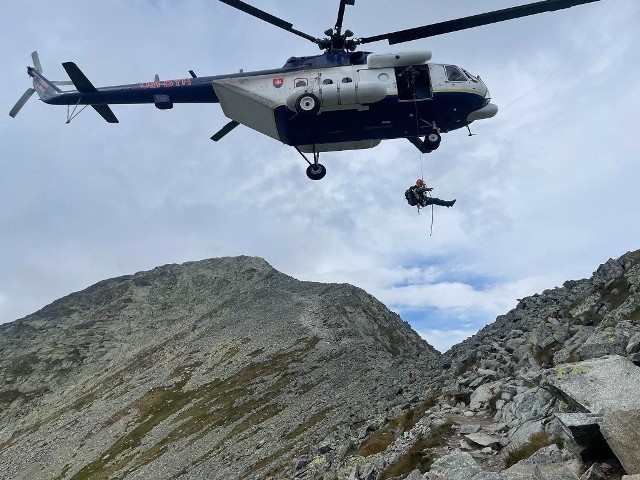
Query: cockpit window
472	77
454	74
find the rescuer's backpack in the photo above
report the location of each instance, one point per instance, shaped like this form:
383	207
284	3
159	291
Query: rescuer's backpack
411	197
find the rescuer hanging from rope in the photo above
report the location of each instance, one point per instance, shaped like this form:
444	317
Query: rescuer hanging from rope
418	196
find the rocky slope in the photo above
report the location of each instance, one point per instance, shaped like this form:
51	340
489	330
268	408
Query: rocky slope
223	368
229	369
551	390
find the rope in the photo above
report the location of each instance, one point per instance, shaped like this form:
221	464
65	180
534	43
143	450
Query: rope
421	156
431	233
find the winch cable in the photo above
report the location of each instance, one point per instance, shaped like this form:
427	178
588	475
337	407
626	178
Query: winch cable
421	156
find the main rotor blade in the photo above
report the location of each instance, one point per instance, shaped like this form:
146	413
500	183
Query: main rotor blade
23	99
267	17
36	61
343	4
475	21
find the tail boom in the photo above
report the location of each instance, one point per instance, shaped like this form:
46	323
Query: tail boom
45	89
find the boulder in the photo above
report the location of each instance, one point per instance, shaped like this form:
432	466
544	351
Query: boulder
583	427
459	466
480	397
523	433
562	471
469	428
545	456
600	385
455	466
483	439
634	344
621	430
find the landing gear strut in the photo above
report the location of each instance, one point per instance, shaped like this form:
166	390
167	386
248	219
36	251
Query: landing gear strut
315	170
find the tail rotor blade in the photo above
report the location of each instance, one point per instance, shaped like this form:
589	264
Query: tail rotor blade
23	99
36	61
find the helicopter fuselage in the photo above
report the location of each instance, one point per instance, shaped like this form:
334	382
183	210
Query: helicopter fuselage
357	99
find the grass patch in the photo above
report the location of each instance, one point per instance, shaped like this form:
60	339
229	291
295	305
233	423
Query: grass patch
381	439
239	402
418	456
535	443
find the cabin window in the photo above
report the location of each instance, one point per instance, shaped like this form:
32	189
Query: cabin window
347	80
473	78
300	82
327	81
454	74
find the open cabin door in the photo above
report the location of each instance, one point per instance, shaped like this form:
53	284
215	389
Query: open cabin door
414	83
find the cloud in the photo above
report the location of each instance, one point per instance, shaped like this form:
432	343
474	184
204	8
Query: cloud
443	340
545	191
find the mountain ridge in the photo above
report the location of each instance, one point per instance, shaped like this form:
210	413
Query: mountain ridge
227	368
224	347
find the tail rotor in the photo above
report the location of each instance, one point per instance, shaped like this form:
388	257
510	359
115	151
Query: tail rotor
36	61
23	99
30	91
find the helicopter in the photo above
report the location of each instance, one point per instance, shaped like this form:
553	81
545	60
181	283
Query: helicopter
341	99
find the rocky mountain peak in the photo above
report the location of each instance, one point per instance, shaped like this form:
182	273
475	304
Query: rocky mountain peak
209	369
227	368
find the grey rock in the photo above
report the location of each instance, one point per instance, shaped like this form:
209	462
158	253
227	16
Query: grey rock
523	433
455	466
594	472
414	475
545	456
633	346
600	385
582	428
563	471
621	430
480	397
483	439
469	428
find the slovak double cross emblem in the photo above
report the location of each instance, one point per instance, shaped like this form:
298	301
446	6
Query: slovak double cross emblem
278	82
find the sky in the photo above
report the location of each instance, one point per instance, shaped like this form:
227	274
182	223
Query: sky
546	190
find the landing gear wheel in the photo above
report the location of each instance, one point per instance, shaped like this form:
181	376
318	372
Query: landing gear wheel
432	140
308	104
316	172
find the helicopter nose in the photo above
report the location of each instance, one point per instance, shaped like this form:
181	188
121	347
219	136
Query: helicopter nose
488	111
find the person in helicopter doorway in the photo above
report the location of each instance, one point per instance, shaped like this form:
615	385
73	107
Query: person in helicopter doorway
418	196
